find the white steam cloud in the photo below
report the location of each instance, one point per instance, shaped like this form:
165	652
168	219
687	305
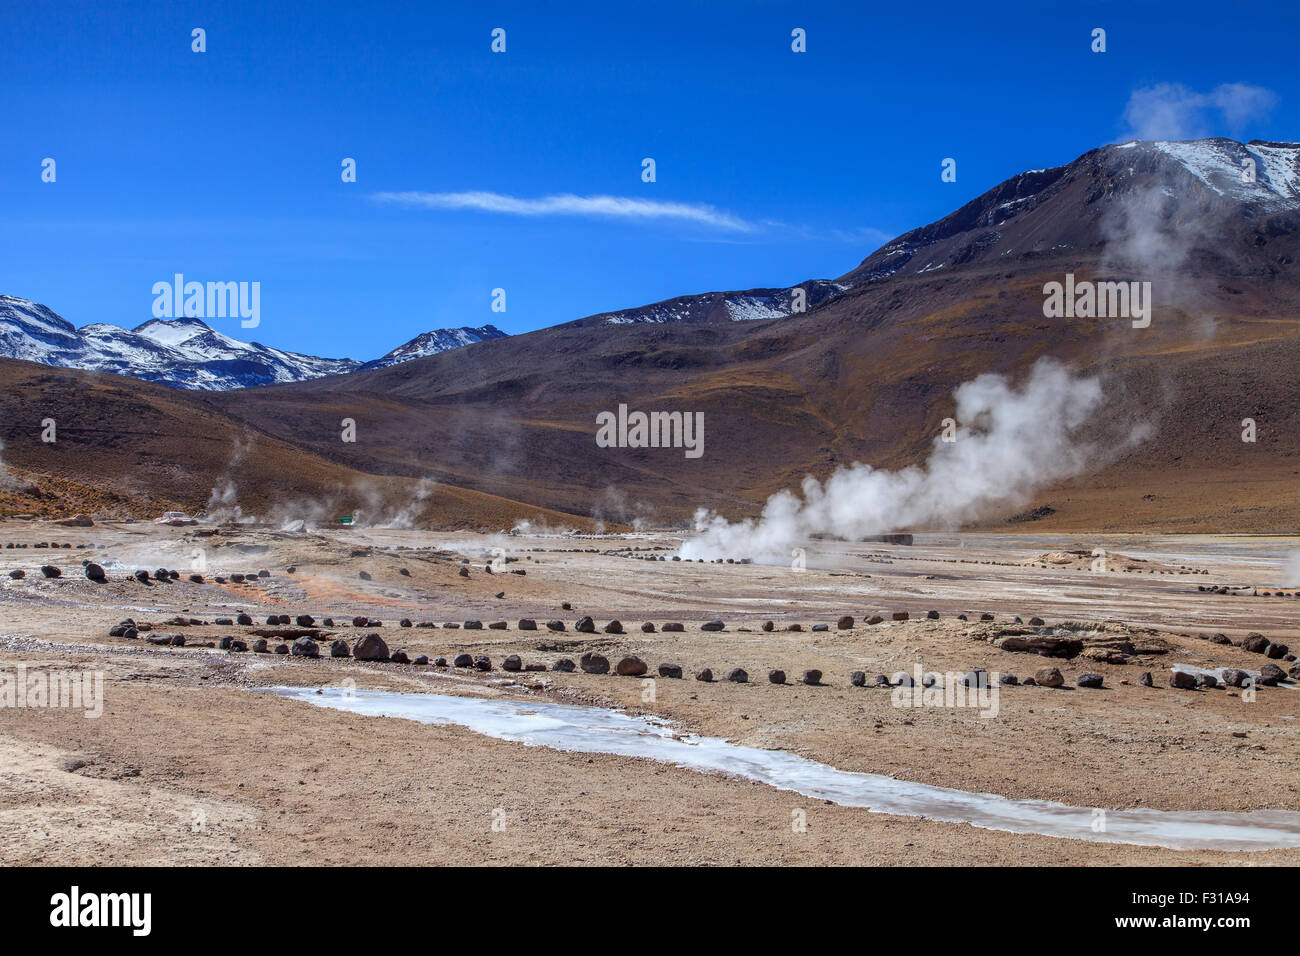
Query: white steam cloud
1172	111
1291	571
1010	443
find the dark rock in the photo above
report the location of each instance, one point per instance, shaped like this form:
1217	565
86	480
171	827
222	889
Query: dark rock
243	620
370	647
593	663
527	624
712	626
405	622
463	572
17	575
360	621
631	666
305	620
986	617
903	679
259	646
282	648
94	572
498	626
1036	622
423	659
473	625
239	647
844	623
1009	679
821	627
705	675
1089	680
224	643
1048	677
1183	680
899	615
1205	680
585	625
482	663
1255	643
1271	674
563	665
648	627
440	662
141	576
812	677
670	670
976	678
875	619
399	657
932	615
462	660
776	677
1276	651
673	627
364	576
555	625
512	663
858	679
737	675
534	667
305	647
613	627
340	649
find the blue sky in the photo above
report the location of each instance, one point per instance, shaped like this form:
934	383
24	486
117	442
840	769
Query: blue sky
772	166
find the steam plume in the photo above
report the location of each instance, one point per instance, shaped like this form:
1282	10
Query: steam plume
1010	443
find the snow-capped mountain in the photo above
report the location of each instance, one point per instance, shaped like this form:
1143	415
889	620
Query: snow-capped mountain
186	353
431	343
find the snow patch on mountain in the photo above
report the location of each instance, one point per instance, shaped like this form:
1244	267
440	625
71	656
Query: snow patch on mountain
187	353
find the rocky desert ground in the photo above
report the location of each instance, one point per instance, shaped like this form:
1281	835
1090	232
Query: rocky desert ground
190	761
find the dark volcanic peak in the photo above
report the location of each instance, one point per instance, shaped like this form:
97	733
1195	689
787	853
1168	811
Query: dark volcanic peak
1099	200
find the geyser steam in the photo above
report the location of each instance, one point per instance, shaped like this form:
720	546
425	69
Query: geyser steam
1009	444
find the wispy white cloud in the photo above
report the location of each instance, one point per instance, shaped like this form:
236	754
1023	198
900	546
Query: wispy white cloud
1172	111
567	204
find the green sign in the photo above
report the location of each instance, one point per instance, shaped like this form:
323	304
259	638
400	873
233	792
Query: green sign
346	519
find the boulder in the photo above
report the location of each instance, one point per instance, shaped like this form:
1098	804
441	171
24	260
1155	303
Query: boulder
776	677
613	627
422	659
527	624
670	670
844	623
899	615
1036	622
585	625
821	627
239	647
94	573
978	677
1233	677
1270	675
18	575
305	620
737	675
243	620
399	657
370	647
858	679
1089	680
498	626
1255	643
1048	677
1276	651
473	625
768	626
462	660
812	677
282	649
340	649
932	615
648	628
673	627
875	619
705	675
405	622
50	571
593	663
259	646
712	626
555	625
1043	644
1146	680
360	621
512	663
482	663
630	667
1010	680
563	665
305	647
1183	680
